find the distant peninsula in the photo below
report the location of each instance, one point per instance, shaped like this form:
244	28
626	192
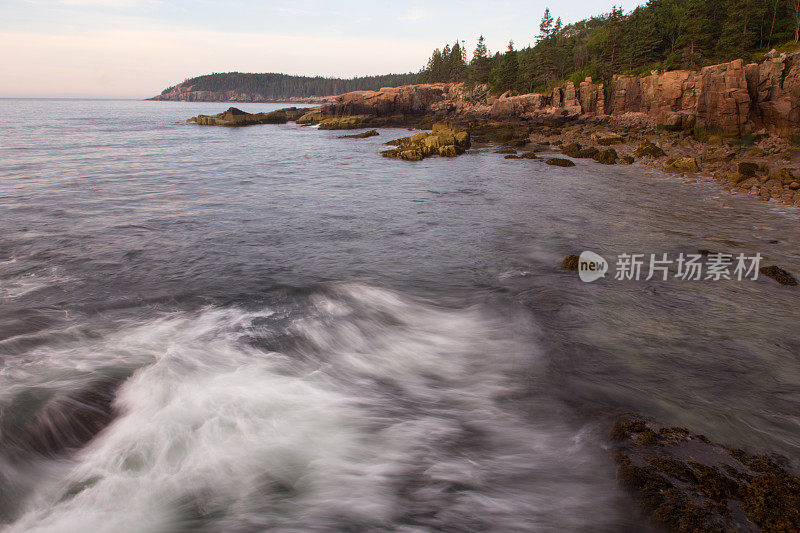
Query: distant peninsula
272	87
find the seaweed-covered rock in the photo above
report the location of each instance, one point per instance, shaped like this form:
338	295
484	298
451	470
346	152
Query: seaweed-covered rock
648	149
681	164
627	160
237	117
686	483
349	122
587	153
560	162
444	140
363	135
606	157
778	274
572	149
506	151
529	155
570	262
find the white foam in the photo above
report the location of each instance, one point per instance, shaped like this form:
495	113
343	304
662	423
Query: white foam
383	406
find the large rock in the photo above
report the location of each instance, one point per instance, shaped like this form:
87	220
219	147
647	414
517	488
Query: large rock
607	157
682	165
444	140
237	117
648	149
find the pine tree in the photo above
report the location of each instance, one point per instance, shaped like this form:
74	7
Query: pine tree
545	26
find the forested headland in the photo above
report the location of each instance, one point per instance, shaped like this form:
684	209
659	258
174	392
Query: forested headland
659	35
274	86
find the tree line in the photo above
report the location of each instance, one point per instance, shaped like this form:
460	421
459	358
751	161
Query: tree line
272	86
660	35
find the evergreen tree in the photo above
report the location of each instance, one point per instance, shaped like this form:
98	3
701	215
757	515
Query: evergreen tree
545	26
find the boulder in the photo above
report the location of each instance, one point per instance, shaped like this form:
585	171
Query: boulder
648	149
747	169
681	164
606	157
559	162
572	149
586	153
626	160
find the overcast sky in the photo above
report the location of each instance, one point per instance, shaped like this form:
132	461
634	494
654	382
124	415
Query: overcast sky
136	48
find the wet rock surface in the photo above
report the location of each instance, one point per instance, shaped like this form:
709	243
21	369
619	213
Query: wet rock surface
684	482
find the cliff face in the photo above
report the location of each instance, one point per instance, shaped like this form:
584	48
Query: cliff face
730	98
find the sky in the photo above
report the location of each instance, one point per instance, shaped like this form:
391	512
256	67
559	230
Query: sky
136	48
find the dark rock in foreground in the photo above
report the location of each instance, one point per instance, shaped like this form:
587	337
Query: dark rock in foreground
778	274
237	117
687	483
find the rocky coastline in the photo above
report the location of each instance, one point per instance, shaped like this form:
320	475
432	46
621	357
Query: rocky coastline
734	122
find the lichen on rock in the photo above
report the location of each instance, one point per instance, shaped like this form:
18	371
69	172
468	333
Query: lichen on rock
444	140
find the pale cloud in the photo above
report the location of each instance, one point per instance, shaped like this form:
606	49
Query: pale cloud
140	63
414	14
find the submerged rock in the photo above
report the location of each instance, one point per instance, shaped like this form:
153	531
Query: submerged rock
505	151
237	117
684	482
570	262
364	135
444	140
559	162
778	274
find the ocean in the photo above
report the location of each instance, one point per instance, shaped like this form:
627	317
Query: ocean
272	328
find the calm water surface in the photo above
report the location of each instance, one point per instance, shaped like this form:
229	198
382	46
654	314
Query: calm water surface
301	335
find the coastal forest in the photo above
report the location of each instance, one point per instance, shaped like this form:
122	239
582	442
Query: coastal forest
273	86
659	35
